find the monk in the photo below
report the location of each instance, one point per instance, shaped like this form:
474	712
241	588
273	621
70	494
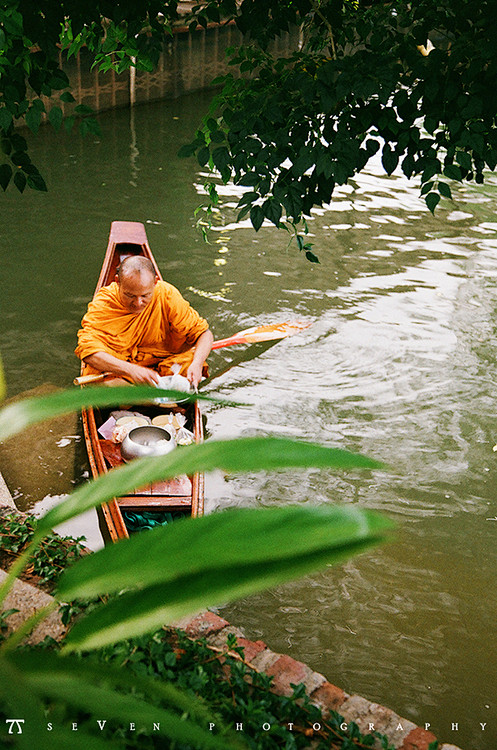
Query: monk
139	326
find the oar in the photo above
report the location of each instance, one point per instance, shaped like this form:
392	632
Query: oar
253	335
263	333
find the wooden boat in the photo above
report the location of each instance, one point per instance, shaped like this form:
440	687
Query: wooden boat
177	497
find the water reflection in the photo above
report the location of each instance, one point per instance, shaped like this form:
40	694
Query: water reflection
399	364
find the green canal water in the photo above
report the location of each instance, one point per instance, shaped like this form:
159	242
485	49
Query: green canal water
399	364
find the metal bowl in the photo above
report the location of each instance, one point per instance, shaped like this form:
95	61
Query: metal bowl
147	441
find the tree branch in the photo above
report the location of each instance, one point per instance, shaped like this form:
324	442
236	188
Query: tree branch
323	18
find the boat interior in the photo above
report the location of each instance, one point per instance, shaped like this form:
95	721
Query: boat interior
161	502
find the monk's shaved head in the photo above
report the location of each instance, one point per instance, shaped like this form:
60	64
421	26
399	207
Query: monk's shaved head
135	265
136	279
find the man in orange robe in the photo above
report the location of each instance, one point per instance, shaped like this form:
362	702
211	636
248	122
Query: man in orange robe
139	326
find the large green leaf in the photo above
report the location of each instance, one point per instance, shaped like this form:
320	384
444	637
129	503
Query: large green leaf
245	454
15	417
16	694
2	382
98	690
219	540
194	564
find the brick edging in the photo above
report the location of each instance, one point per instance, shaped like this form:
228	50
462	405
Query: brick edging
402	733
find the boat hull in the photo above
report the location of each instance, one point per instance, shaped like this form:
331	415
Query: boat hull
182	496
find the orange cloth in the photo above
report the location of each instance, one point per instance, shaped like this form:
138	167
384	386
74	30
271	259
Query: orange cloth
162	334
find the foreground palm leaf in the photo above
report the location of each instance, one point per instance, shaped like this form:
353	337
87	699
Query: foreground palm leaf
2	382
15	693
16	416
87	687
182	571
244	454
217	541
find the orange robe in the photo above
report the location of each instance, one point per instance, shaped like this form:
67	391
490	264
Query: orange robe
157	337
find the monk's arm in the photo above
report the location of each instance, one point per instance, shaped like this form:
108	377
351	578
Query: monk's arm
108	363
203	345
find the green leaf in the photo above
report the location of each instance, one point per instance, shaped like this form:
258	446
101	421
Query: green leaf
389	159
256	217
83	127
311	257
248	536
33	119
432	200
5	118
222	158
35	664
452	172
246	454
242	214
3	388
12	22
464	159
292	201
203	156
188	149
83	109
18	142
184	572
408	165
20	159
218	136
372	146
15	417
20	181
92	126
248	198
94	689
36	182
58	80
273	210
444	190
250	179
55	116
18	696
430	171
66	96
5	175
431	124
426	187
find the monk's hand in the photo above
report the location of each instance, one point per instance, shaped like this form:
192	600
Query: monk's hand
194	374
143	375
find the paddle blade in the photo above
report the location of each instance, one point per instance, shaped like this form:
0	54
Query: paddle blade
263	333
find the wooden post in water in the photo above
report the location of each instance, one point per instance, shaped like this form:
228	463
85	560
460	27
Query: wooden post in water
132	83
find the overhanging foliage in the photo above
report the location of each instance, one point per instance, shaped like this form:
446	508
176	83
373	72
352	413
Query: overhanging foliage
362	81
290	130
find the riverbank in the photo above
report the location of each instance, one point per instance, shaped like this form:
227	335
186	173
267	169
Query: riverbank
285	671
